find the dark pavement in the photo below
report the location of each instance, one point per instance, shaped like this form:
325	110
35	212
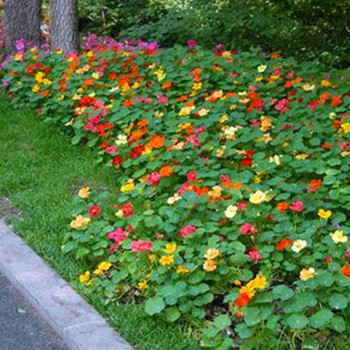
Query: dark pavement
21	327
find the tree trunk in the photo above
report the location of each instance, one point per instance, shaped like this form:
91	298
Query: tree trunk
64	25
22	21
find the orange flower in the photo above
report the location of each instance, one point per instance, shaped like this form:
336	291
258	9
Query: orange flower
346	271
167	85
156	141
142	123
282	206
167	170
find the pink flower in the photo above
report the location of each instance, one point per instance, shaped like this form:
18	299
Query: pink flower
191	43
153	178
162	99
158	235
191	177
255	255
141	246
241	205
200	130
112	149
247	229
94	211
119	235
297	206
187	230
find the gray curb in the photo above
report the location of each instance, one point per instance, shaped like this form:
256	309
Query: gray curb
79	325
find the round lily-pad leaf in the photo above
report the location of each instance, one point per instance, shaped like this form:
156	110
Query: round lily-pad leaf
321	318
297	321
338	301
154	305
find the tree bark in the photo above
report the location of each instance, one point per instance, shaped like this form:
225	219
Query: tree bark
64	25
22	21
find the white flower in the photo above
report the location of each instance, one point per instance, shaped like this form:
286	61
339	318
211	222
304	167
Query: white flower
275	159
299	245
173	199
231	211
122	140
262	68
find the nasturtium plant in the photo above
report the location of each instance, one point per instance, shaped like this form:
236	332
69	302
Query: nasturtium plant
232	206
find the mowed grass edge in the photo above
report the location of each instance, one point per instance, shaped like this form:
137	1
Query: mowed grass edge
39	172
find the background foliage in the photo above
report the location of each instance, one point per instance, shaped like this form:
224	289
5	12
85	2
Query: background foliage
308	29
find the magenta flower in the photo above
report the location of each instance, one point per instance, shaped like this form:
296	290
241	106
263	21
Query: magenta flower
191	43
191	177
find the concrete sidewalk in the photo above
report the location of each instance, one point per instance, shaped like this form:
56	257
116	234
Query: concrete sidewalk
21	327
70	316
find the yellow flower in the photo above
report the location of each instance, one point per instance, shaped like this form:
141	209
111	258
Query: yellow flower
170	248
90	54
259	282
209	265
84	192
166	260
237	282
247	290
128	187
324	214
197	86
142	285
104	266
258	79
306	274
338	237
325	83
212	253
151	257
258	197
84	276
346	127
79	222
98	272
36	88
181	270
39	77
18	57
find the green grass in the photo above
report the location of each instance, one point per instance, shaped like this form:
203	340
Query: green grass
39	172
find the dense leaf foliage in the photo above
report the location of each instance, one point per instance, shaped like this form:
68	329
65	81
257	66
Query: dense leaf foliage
311	29
233	205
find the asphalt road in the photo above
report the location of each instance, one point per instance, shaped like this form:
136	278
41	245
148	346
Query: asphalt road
21	327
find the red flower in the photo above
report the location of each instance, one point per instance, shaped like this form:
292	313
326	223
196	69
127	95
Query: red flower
94	211
282	245
242	300
118	160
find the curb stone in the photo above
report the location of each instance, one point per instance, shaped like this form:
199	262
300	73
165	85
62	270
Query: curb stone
80	326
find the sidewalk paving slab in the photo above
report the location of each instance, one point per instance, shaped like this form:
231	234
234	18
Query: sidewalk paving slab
78	323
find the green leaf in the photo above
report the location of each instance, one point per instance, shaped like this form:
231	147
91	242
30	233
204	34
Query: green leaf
338	324
154	306
243	331
321	318
338	301
221	322
282	292
172	314
252	316
297	321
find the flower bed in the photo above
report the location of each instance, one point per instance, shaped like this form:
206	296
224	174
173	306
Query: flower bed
233	206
